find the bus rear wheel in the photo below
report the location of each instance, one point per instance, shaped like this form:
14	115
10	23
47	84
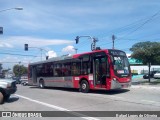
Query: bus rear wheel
41	84
84	86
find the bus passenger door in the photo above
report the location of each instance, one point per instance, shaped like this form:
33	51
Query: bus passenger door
100	70
34	74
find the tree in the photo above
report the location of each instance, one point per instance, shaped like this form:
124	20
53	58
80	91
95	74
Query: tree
1	75
19	70
148	52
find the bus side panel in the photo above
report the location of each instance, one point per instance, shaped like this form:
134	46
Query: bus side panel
58	81
89	79
76	80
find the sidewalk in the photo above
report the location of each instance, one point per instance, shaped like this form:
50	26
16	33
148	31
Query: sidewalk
139	82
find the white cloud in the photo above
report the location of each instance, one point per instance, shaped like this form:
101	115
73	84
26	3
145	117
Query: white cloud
68	49
9	61
52	54
5	45
32	41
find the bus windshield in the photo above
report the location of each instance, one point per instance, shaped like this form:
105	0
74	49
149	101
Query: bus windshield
121	65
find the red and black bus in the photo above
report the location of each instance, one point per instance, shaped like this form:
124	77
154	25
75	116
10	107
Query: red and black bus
100	69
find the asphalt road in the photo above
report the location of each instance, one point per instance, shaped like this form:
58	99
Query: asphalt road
31	98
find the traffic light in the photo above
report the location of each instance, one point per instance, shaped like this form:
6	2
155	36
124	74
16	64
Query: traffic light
77	39
1	30
26	47
92	46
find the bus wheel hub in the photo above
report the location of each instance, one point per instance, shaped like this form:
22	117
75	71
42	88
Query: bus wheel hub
83	86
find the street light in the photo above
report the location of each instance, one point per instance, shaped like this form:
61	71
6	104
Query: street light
16	8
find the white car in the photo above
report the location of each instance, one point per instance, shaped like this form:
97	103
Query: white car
157	74
7	87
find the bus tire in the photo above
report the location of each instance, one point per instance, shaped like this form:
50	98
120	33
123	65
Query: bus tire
84	86
41	84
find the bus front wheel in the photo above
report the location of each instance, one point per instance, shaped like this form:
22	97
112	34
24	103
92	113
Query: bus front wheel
84	86
41	84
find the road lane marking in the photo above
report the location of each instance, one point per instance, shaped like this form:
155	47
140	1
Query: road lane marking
57	107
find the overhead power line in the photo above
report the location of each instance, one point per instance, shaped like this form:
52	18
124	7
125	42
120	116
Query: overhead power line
147	21
17	54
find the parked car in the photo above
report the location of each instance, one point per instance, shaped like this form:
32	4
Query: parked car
157	75
7	87
146	76
17	79
24	80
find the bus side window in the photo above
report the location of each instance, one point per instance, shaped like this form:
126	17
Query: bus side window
85	64
66	69
75	68
55	71
58	70
86	68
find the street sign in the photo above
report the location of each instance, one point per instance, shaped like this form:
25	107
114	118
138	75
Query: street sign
1	30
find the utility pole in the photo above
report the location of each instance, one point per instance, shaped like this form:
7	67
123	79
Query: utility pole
93	45
149	75
75	50
113	38
19	69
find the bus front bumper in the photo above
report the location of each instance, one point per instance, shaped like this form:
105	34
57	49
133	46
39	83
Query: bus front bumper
117	85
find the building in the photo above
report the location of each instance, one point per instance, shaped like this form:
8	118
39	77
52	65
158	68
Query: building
137	66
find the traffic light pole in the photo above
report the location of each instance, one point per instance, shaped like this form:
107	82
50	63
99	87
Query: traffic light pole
26	49
93	45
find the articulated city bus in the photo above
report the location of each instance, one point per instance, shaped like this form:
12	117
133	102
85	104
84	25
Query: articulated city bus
100	69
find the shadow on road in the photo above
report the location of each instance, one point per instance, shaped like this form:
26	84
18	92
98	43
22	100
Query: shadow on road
109	92
12	99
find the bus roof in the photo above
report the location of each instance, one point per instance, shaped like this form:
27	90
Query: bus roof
52	60
65	57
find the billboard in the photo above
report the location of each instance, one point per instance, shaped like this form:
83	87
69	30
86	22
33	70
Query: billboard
133	61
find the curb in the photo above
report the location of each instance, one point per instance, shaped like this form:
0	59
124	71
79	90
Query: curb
145	87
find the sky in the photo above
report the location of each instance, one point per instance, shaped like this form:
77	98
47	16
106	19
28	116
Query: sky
50	27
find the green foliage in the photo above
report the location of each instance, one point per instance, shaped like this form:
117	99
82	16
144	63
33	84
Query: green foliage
19	70
148	52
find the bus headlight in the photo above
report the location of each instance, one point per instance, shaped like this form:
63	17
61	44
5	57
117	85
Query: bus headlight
114	79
